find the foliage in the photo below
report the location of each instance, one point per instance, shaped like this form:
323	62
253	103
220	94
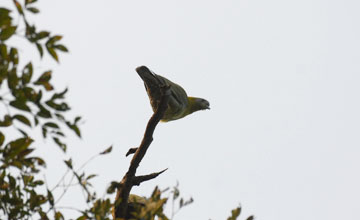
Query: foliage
29	102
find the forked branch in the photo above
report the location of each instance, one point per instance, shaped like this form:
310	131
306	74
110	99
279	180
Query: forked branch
129	180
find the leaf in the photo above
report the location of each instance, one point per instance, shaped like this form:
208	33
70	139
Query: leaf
5	19
108	150
3	50
33	10
44	113
74	127
59	216
22	119
113	186
6	122
43	34
18	146
7	32
59	95
39	161
51	125
250	218
77	119
44	131
27	73
53	39
91	176
20	105
52	53
44	81
61	48
28	2
40	49
13	79
23	132
60	144
59	107
2	138
235	213
69	163
50	198
18	7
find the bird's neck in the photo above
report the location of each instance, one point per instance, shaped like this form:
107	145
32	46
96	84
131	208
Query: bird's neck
194	105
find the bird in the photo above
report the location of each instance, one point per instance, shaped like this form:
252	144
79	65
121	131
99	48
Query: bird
179	105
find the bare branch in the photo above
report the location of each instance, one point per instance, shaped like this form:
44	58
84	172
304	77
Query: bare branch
127	182
139	179
131	151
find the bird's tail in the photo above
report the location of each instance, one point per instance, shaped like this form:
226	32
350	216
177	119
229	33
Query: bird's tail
151	80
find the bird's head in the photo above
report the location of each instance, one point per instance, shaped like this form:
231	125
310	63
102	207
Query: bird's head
198	104
203	103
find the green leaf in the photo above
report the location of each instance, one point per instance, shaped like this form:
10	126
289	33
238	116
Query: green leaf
75	128
250	218
91	176
59	95
69	163
33	10
3	51
2	138
14	55
77	119
59	216
27	73
42	35
13	79
7	32
20	105
40	49
18	7
22	132
50	198
44	131
44	113
60	144
6	122
53	39
28	2
44	81
113	186
51	125
52	53
39	161
61	48
59	107
108	150
5	19
235	213
27	179
18	146
22	119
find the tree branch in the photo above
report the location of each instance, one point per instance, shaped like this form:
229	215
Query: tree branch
127	182
137	180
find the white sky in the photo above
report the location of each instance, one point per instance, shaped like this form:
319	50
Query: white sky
282	78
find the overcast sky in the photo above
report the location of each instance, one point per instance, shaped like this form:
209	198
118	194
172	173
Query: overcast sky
282	78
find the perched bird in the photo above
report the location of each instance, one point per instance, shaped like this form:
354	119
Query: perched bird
179	106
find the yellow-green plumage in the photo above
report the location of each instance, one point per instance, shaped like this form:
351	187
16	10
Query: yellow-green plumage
179	104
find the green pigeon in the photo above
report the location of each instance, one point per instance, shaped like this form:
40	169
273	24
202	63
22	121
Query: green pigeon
179	106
